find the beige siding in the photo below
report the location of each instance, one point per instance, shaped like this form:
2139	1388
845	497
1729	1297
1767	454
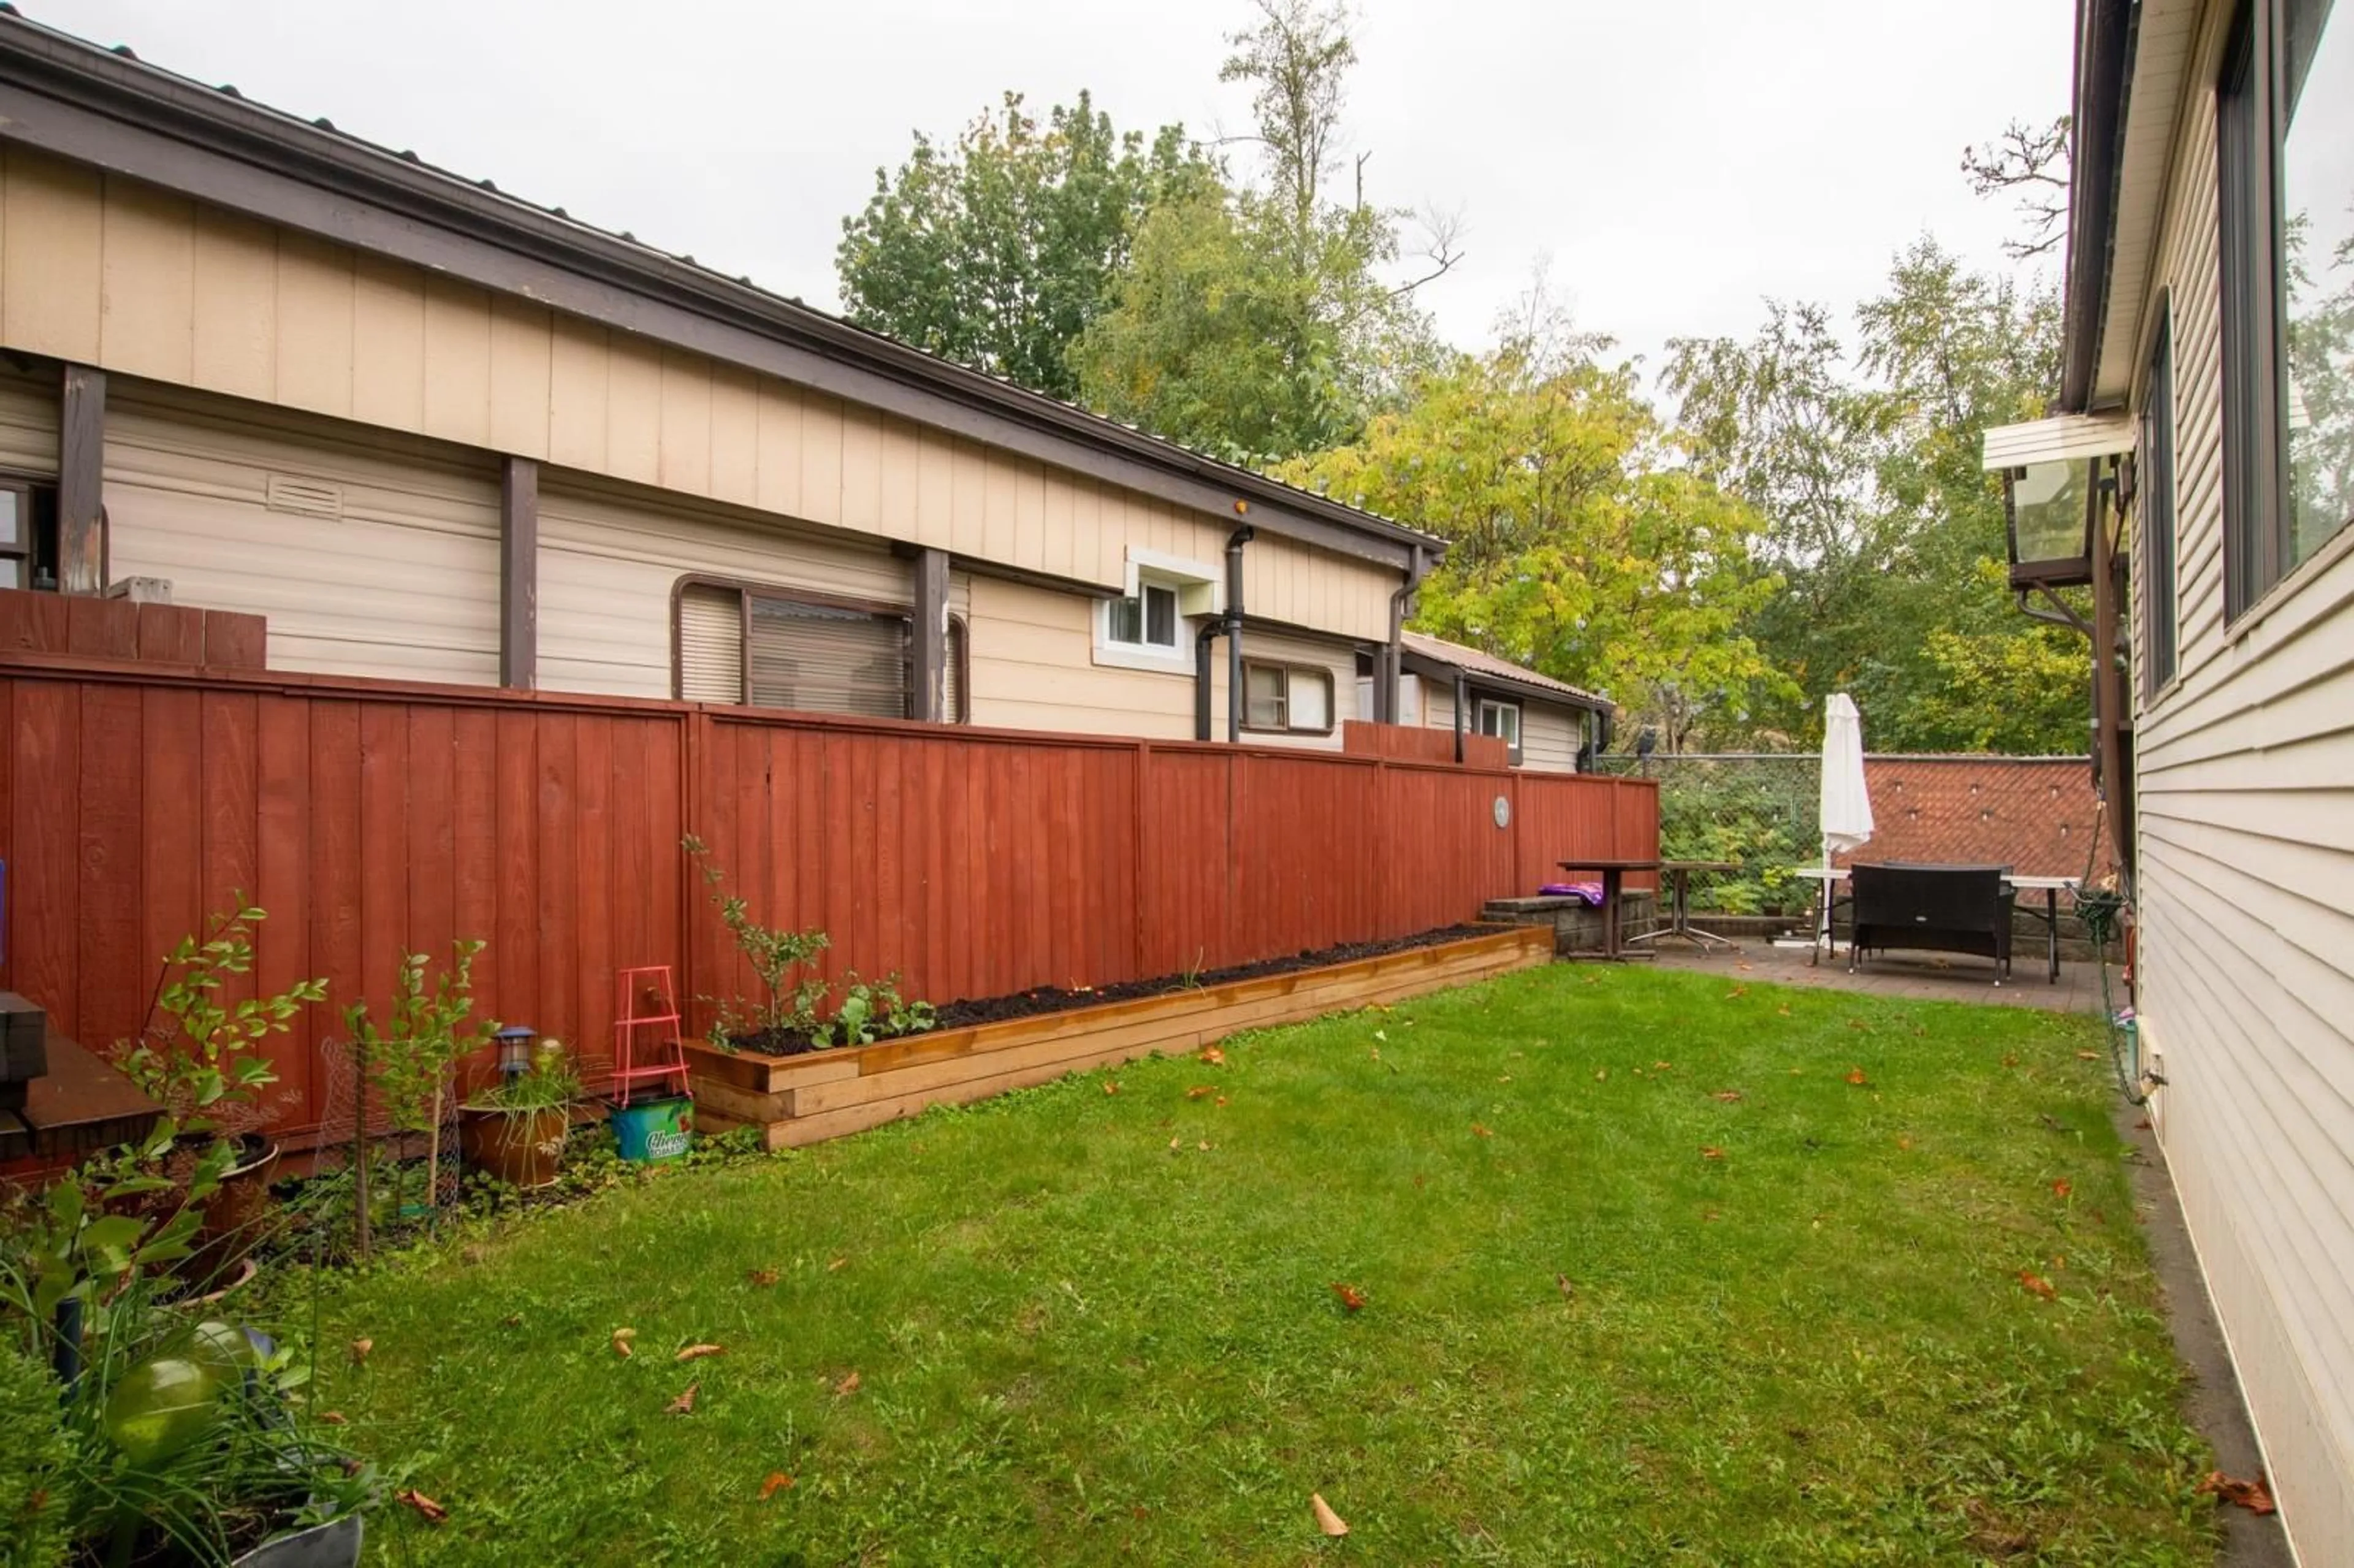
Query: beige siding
1337	660
609	559
28	422
102	271
1549	737
2246	897
401	581
1033	668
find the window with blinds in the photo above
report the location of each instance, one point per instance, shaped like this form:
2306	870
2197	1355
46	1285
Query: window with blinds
769	648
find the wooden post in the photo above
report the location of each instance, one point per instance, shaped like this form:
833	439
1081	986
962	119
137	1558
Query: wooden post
519	574
2113	732
82	481
931	638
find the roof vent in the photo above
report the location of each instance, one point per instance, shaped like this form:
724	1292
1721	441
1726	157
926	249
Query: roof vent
303	497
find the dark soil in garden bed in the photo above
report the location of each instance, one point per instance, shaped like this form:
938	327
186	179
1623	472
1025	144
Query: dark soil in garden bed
964	1014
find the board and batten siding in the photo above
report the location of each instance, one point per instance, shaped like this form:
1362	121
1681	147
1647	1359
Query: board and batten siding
106	271
2246	910
376	559
1033	651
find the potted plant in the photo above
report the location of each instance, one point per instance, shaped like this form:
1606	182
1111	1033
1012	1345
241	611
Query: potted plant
408	1059
515	1128
141	1428
202	1057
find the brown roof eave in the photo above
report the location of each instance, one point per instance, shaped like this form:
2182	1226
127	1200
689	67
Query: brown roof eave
2104	40
1422	664
95	106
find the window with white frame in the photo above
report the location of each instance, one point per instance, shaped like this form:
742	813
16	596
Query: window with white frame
1145	621
1289	699
1501	720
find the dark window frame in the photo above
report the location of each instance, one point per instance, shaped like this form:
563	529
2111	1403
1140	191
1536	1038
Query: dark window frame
1288	670
2259	548
2154	489
747	589
37	516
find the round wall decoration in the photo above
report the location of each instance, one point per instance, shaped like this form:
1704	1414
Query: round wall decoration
1503	811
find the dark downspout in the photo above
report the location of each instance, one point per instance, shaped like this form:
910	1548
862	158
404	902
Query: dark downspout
1462	696
1211	629
1234	543
1385	683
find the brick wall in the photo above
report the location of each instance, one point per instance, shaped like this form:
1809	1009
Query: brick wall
2035	814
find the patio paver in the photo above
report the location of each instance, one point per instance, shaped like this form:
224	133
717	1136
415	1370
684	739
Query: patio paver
1916	977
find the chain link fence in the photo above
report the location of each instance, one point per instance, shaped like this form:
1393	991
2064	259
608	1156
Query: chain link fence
1759	811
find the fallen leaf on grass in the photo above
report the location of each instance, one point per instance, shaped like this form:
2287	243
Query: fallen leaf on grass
333	1418
1350	1297
1859	1024
763	1277
1327	1522
1784	1010
2035	1284
1663	1066
696	1352
1736	991
360	1348
1728	1096
431	1512
1710	1151
2251	1494
837	1264
846	1387
622	1337
1906	1141
1204	1146
1111	1086
2088	1056
1855	1076
778	1481
1381	1034
1175	1144
685	1404
1600	1074
1568	1291
1221	1100
1478	1131
1200	1091
2061	1188
1213	1057
2010	1059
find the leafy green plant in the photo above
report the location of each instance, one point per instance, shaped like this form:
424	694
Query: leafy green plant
408	1058
871	1010
94	1226
549	1083
207	1066
32	1524
776	955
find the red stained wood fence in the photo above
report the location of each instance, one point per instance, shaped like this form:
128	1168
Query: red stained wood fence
372	818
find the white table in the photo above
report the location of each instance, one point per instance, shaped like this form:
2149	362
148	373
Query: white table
1831	876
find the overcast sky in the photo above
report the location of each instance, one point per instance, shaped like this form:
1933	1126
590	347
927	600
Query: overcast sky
1678	160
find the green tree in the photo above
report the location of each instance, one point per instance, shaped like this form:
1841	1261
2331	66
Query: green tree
1577	548
1256	324
1888	534
999	250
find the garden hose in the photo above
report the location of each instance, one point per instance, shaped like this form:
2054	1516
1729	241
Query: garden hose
2102	912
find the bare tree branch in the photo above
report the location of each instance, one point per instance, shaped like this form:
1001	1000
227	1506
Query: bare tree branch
2036	163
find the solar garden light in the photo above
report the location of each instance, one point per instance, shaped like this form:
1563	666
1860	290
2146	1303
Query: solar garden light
515	1051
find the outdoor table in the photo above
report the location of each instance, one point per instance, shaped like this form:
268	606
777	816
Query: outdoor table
1828	878
2051	888
1679	876
1613	872
1831	876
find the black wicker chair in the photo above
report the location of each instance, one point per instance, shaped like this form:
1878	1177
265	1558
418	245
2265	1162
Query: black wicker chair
1941	908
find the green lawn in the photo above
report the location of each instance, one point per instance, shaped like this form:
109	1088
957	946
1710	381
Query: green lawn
1648	1277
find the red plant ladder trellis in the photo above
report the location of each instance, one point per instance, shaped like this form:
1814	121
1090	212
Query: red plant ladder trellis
665	1058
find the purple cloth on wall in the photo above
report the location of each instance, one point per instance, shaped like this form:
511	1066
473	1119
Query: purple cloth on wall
1589	891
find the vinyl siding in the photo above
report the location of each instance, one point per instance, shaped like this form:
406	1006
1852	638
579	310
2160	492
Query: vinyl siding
1549	735
29	423
105	271
609	559
2247	906
402	584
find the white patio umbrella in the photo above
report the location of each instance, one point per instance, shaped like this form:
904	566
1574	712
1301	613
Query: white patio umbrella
1845	801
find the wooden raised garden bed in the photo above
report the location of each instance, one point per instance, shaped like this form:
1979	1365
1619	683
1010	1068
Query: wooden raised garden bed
826	1094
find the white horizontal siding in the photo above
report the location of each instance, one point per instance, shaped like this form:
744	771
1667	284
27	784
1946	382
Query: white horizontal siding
1550	737
2246	911
403	585
29	423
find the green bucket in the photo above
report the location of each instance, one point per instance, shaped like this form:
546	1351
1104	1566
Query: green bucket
653	1130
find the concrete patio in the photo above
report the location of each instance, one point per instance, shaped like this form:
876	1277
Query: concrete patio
1919	977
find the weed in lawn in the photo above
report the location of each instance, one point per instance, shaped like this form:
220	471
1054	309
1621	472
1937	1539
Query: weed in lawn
1073	1334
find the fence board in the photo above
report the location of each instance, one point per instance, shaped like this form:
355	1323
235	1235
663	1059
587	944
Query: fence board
372	819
